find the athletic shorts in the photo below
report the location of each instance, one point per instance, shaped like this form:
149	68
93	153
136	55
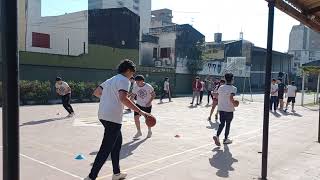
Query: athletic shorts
145	109
291	99
214	101
280	95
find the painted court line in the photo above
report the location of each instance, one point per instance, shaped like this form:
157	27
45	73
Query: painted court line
50	166
193	149
193	157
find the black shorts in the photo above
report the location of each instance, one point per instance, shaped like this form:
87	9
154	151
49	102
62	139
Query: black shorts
145	109
280	95
291	99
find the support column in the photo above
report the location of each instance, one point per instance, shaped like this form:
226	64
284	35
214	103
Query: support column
10	88
264	167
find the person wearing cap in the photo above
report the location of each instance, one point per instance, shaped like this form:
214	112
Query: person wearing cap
64	90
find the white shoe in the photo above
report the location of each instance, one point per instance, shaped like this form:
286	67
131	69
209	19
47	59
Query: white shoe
227	141
149	134
137	136
119	176
87	178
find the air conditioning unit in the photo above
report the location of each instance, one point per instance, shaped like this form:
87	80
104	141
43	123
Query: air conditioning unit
157	63
167	61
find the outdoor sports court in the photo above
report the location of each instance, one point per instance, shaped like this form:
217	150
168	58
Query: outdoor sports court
49	144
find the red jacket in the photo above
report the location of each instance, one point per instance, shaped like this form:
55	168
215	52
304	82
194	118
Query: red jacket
195	86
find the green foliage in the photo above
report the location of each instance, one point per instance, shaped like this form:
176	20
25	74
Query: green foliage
83	90
157	88
194	66
311	69
34	91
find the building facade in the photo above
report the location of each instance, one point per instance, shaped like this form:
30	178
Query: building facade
161	17
164	46
64	34
139	7
304	45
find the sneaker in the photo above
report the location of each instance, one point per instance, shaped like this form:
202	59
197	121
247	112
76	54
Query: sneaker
87	178
149	134
227	141
69	116
209	118
137	136
216	140
161	101
191	103
119	176
285	110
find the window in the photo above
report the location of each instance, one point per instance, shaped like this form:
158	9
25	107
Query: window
165	52
155	53
40	40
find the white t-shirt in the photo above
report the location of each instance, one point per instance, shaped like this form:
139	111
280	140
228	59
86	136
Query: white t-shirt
110	107
63	88
291	91
202	87
144	94
166	86
274	87
224	102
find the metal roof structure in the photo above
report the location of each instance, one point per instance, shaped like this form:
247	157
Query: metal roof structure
305	11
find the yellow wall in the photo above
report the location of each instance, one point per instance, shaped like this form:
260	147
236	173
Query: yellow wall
22	25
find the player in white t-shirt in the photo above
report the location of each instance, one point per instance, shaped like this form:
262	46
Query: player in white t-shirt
64	90
274	95
226	108
166	90
291	94
144	94
113	94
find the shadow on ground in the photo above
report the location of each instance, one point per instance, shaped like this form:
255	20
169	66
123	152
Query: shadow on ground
126	149
222	160
41	121
213	125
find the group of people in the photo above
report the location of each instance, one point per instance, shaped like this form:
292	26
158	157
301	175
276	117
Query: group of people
277	94
124	89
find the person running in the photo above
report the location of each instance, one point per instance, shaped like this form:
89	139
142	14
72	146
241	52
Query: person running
130	92
226	108
209	87
291	94
166	90
202	90
281	91
215	100
113	94
196	87
274	95
144	94
64	90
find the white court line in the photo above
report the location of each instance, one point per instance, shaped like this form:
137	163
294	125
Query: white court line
189	150
192	157
50	166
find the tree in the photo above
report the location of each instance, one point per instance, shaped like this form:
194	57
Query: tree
195	62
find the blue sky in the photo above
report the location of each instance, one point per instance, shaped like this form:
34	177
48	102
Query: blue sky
209	16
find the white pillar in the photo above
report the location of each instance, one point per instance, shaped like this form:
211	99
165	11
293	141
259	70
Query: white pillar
318	87
302	89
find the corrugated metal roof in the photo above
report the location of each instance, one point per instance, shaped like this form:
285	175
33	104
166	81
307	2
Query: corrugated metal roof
305	11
